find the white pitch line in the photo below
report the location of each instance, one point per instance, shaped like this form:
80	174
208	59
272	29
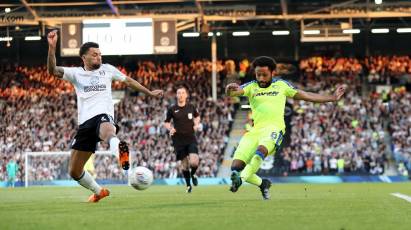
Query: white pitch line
402	196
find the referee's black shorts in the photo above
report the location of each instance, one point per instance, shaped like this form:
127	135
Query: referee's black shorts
183	150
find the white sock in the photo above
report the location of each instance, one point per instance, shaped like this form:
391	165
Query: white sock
88	182
114	141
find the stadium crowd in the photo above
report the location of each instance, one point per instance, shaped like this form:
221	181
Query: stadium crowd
316	67
377	69
400	127
344	137
39	114
387	70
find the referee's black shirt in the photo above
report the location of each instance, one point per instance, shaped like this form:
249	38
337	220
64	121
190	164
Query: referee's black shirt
183	119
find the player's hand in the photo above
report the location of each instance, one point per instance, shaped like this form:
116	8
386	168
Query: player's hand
52	38
172	131
339	92
232	87
157	93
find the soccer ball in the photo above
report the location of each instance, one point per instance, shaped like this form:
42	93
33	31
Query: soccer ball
140	178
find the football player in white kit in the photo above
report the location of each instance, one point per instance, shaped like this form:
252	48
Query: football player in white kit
92	84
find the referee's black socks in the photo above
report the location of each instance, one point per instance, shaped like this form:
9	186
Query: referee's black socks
187	177
193	171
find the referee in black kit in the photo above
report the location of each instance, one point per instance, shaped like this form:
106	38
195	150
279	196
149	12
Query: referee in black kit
186	120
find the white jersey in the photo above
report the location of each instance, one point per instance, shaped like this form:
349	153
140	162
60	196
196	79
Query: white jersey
93	89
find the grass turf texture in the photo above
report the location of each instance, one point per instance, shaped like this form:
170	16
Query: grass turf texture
293	206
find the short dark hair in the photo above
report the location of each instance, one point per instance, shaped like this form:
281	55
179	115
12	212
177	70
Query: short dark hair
182	86
86	46
264	61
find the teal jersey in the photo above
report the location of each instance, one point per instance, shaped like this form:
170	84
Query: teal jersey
12	169
268	104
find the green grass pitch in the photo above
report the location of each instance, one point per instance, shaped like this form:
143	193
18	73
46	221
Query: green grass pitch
293	206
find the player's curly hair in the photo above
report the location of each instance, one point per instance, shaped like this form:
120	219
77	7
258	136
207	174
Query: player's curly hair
86	46
264	61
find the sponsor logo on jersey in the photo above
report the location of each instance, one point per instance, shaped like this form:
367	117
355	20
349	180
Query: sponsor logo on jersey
190	116
95	88
271	93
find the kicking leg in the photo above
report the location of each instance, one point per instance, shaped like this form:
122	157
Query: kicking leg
76	170
255	163
107	133
249	173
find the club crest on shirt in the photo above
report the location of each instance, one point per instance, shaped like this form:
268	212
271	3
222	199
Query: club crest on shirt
274	135
190	116
94	80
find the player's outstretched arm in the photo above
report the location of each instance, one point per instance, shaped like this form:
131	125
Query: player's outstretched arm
315	97
234	90
51	58
130	82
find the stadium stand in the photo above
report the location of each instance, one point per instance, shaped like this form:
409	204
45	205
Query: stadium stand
39	114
